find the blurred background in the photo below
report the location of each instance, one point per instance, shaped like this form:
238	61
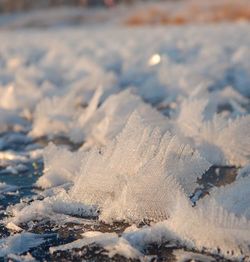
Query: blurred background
17	5
46	13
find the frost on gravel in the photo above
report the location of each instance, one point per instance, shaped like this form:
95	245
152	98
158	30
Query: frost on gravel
142	122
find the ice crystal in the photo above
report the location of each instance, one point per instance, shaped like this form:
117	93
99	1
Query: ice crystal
234	197
53	116
220	140
206	227
61	166
140	172
20	243
56	207
110	118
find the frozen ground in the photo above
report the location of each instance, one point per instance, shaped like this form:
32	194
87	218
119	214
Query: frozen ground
150	143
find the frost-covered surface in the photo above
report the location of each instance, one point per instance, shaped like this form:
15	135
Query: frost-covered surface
234	197
142	133
19	243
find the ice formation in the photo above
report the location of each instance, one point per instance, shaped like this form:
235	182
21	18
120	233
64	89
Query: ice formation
109	241
22	258
9	119
182	256
144	188
111	117
143	121
213	230
4	188
233	197
61	166
213	133
19	243
57	207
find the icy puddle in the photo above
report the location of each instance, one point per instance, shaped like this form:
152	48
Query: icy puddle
113	148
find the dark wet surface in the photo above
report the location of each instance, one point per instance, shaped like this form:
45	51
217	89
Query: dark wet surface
216	176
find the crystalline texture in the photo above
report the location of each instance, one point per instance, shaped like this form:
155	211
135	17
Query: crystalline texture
110	118
61	166
137	175
220	140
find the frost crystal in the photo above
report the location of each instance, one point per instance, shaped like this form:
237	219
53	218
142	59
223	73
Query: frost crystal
234	197
140	172
110	95
220	140
20	243
110	118
61	166
53	116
